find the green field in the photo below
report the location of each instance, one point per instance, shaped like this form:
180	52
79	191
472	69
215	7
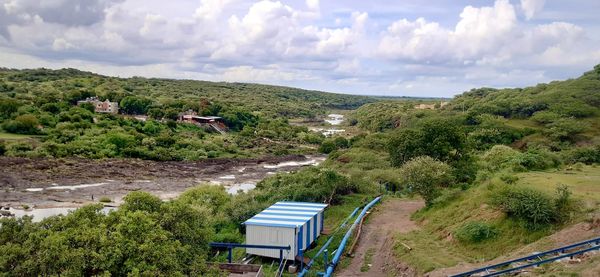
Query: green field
584	181
9	136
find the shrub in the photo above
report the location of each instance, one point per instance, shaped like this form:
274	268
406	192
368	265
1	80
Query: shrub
498	157
327	146
535	159
564	129
563	202
532	206
425	175
475	231
23	124
545	117
105	199
586	155
509	178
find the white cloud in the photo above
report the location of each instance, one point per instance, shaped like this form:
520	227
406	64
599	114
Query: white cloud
531	7
490	36
311	43
211	9
313	4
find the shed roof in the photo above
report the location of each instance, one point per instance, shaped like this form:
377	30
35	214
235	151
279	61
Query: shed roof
286	214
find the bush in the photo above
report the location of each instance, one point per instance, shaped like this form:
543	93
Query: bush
105	199
498	157
533	207
327	146
425	176
535	159
586	155
545	117
23	124
475	231
564	129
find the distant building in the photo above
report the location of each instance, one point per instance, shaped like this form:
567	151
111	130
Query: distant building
101	106
213	122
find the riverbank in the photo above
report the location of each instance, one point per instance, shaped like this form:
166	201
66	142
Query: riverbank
68	183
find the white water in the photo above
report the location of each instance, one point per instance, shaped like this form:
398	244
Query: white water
335	119
72	187
288	164
227	177
245	187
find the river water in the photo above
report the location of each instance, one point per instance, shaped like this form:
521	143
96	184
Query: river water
53	199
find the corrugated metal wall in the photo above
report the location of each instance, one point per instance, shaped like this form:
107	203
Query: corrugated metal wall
263	235
283	236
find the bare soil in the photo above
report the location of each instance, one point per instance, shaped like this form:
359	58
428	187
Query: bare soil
388	219
37	182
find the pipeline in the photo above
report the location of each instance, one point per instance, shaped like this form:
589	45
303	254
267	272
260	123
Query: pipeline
305	270
340	250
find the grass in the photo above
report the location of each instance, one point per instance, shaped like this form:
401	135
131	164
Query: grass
583	182
434	245
368	261
9	136
105	199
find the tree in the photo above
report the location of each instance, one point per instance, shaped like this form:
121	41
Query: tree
23	124
8	107
439	138
425	176
141	201
135	105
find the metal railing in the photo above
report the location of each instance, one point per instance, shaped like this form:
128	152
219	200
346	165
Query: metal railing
535	259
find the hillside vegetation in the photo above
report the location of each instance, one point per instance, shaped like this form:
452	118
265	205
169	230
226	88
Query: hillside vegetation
43	102
493	180
522	166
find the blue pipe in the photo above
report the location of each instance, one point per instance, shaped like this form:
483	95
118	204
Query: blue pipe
305	270
340	250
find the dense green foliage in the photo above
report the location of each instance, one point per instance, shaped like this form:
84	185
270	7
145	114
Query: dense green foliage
43	102
144	237
475	231
533	207
441	139
426	176
147	236
571	98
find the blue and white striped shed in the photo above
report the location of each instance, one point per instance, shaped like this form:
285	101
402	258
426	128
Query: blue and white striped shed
296	224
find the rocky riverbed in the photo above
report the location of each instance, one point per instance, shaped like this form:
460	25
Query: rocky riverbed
69	183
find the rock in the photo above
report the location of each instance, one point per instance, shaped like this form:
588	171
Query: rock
5	213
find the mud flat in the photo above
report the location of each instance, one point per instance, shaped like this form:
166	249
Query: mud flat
70	183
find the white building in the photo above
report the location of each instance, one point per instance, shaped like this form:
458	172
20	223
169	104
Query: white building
297	224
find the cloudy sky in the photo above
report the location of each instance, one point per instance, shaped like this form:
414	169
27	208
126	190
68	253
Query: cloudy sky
409	47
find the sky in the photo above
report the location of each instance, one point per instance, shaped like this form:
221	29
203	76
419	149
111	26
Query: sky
434	48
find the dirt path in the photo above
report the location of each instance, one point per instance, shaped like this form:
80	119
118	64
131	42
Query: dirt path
388	219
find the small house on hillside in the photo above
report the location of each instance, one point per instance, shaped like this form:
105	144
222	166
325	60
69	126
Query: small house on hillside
294	224
214	122
101	106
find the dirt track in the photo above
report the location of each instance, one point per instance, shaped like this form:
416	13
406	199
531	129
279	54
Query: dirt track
390	218
47	182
